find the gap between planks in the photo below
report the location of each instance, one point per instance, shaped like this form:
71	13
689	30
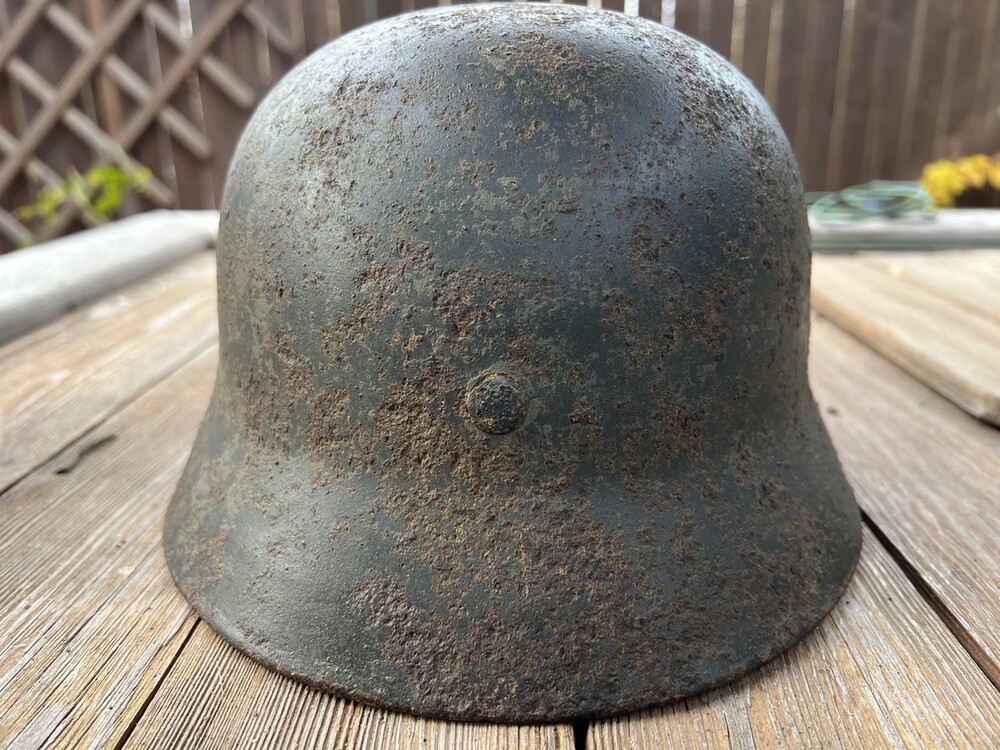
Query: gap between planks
953	347
62	380
925	472
92	623
881	655
880	671
88	615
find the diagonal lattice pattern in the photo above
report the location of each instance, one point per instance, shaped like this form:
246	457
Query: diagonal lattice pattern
82	79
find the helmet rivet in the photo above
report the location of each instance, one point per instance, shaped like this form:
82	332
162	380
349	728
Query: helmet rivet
497	404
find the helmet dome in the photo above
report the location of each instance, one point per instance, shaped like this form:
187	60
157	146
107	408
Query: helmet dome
512	419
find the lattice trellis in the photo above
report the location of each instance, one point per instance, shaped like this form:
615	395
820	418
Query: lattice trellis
863	89
80	76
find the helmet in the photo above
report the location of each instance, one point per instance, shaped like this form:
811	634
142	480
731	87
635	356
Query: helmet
512	420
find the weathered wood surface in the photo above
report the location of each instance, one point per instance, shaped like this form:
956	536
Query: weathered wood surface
63	380
215	696
951	345
45	281
881	671
928	476
969	280
98	649
91	619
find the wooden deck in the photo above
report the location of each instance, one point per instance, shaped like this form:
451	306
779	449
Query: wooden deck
98	649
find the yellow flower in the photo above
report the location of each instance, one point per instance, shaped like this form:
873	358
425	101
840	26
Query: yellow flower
946	180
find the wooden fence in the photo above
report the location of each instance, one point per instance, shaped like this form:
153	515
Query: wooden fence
864	88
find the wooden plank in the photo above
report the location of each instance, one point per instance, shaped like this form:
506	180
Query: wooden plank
650	9
755	39
281	36
917	136
880	671
320	22
849	167
87	365
24	22
235	88
816	106
224	116
686	16
44	281
949	348
966	278
988	90
214	696
784	66
965	39
108	98
912	90
13	119
890	65
351	14
80	125
90	620
850	48
388	8
199	45
926	473
718	25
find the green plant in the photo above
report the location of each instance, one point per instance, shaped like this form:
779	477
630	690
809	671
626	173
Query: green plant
99	192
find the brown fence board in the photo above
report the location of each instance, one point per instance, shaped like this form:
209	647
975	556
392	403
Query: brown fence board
853	93
650	9
864	89
890	68
717	31
962	62
686	16
753	41
819	77
988	86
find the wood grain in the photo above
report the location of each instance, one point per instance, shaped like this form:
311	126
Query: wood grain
89	618
755	42
882	671
63	380
947	346
927	475
47	280
815	116
967	278
98	648
890	61
216	697
853	99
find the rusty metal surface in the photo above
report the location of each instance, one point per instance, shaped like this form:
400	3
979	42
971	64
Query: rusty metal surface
512	420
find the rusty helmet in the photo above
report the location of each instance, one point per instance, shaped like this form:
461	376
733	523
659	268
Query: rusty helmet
512	419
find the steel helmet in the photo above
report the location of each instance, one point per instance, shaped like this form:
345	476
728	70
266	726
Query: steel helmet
512	420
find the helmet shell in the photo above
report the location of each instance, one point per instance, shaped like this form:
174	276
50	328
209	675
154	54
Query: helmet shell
512	419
